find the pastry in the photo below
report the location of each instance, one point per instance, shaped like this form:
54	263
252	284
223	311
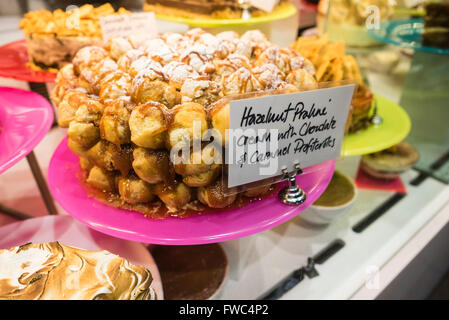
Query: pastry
53	271
332	64
53	38
390	163
204	9
132	110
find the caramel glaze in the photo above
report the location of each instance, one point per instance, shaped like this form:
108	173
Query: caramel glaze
190	272
157	209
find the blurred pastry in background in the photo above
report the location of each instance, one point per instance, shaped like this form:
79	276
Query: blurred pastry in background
436	25
53	271
206	9
53	38
332	64
390	163
356	12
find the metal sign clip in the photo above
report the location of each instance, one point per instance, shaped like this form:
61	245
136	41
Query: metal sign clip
291	194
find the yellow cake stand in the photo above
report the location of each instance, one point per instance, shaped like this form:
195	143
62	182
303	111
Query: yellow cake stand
394	127
281	12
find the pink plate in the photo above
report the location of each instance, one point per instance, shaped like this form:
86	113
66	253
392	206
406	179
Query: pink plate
70	232
25	118
13	64
199	229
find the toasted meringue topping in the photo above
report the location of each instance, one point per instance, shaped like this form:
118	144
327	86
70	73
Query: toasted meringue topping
55	271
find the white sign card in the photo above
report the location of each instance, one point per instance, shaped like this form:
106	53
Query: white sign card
270	133
139	25
265	5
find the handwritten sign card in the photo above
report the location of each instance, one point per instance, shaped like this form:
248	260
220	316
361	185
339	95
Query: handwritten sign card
139	25
274	132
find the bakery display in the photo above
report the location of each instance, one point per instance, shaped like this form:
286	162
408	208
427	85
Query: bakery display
436	25
390	163
127	107
205	9
332	64
53	38
53	271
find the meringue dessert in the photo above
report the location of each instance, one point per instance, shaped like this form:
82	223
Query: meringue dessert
127	107
53	38
53	271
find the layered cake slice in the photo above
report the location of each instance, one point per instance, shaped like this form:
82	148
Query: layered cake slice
53	38
436	25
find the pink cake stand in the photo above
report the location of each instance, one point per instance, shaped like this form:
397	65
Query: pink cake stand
199	229
68	231
25	118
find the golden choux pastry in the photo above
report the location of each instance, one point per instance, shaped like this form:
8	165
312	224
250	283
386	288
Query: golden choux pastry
87	57
302	80
148	124
77	148
109	157
85	164
114	85
90	77
257	191
214	195
66	79
199	161
69	105
204	92
134	190
101	179
177	72
230	64
188	124
203	178
174	196
240	81
117	47
114	124
145	90
126	60
153	166
83	134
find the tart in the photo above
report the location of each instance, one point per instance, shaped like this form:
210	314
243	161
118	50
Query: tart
53	38
390	163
